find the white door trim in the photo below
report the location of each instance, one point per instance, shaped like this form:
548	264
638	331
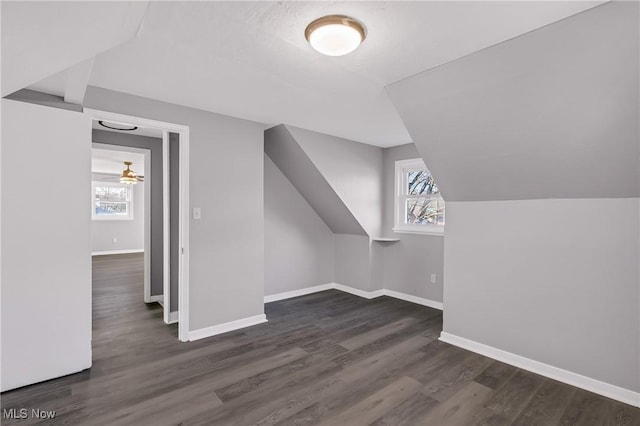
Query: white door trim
166	229
183	131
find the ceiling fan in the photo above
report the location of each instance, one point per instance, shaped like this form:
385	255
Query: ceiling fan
130	177
127	176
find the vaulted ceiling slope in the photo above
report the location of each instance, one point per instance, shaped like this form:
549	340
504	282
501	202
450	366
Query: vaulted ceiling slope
284	151
250	59
551	114
352	169
340	179
40	39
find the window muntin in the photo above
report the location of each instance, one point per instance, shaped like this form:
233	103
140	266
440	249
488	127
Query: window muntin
419	205
112	201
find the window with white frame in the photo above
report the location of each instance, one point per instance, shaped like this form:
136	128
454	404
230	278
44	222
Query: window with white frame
112	201
419	207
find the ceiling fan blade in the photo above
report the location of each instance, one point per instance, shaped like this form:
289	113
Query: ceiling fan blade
109	178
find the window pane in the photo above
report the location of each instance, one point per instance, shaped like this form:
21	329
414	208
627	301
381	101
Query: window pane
111	193
420	182
111	208
425	211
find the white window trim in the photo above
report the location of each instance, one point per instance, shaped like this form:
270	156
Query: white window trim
129	216
400	183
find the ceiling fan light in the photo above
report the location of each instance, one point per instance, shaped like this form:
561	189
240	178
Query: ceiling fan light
128	176
335	35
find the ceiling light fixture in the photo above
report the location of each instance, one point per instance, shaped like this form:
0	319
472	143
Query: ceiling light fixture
114	126
128	176
335	35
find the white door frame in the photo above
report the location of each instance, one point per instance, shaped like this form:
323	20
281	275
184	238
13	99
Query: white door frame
147	208
183	281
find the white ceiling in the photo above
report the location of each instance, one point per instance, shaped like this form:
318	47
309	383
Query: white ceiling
42	38
112	161
251	60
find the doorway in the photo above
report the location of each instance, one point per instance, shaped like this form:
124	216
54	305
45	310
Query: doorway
168	235
121	212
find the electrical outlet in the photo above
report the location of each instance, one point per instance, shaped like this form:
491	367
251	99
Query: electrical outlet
434	278
115	240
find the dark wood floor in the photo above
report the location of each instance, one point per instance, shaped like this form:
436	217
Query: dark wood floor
326	358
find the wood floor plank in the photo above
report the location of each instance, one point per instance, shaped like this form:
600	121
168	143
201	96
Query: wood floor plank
496	375
547	405
377	405
362	339
408	412
327	357
587	408
508	401
460	409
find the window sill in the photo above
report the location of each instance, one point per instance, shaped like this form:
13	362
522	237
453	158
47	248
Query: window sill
428	231
109	219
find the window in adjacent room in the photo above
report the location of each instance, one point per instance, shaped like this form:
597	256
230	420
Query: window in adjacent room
419	207
112	201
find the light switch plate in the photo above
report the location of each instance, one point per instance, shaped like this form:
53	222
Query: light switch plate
197	213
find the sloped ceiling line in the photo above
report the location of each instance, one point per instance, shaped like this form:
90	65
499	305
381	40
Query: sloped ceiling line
551	114
282	148
41	40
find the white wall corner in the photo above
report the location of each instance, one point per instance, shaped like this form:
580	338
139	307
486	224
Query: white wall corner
226	327
358	292
297	293
605	389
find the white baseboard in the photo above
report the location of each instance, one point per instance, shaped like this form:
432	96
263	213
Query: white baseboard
226	327
173	317
358	292
296	293
104	253
605	389
362	293
414	299
158	298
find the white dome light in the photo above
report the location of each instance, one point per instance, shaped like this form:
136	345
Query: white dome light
335	35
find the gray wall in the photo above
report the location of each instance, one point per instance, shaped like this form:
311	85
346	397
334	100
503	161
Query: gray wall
154	179
550	114
46	261
409	263
352	261
551	280
319	164
298	245
128	233
354	171
283	149
226	182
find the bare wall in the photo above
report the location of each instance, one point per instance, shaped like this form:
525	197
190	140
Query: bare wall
555	281
46	251
298	244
